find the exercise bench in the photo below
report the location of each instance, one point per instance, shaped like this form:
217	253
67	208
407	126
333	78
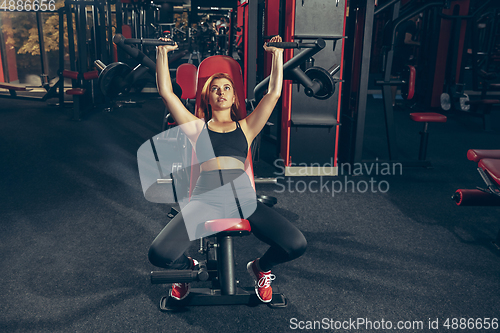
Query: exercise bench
13	89
489	168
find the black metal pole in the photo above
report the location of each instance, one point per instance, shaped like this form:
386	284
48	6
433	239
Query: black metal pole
225	260
43	53
103	50
251	55
363	80
96	37
119	23
232	32
71	37
423	143
61	10
82	37
390	128
3	54
385	5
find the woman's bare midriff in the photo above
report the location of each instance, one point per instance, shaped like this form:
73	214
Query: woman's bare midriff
222	163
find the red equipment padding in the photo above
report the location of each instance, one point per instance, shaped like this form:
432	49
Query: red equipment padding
70	74
12	86
126	31
186	78
492	167
221	64
91	75
483	102
236	225
428	117
76	91
478	154
115	53
411	86
409	75
475	198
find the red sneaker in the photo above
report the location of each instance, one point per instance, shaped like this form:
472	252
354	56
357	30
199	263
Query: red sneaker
180	291
262	282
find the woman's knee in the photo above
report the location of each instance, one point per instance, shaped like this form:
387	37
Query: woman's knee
167	259
155	258
299	247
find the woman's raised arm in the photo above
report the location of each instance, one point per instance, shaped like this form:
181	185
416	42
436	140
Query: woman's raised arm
256	121
164	84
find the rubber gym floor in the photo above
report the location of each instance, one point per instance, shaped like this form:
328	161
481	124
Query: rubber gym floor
75	231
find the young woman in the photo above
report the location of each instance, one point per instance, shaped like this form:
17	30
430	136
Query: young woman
229	137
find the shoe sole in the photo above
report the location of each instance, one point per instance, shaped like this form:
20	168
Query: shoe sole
255	281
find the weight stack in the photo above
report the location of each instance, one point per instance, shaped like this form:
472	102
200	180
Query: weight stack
310	126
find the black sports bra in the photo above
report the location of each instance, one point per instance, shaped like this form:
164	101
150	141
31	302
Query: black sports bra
212	144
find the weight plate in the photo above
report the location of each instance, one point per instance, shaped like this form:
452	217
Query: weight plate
327	82
463	100
445	101
112	79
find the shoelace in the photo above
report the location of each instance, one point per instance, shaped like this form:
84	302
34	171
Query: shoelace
265	280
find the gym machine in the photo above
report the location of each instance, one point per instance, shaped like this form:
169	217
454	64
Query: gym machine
175	183
489	169
484	41
354	112
308	133
455	23
407	84
81	72
309	126
454	95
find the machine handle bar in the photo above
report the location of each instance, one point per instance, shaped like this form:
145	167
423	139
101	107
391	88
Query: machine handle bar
291	45
147	41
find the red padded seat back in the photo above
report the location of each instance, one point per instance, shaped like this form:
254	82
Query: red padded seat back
186	78
221	64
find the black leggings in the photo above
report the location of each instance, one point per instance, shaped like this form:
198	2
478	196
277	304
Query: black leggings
285	240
